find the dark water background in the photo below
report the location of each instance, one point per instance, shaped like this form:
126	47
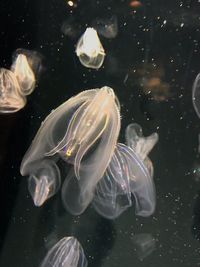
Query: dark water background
156	41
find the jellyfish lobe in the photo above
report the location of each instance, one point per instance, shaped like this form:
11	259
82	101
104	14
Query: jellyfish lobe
68	252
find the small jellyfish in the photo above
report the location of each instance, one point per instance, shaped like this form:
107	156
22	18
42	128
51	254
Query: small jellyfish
107	27
24	74
71	28
140	144
196	95
145	244
10	98
78	132
90	50
129	172
34	60
45	182
68	252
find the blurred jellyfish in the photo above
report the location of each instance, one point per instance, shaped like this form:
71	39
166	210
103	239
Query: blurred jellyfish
145	244
151	81
129	172
196	95
10	98
107	27
90	50
79	132
68	252
71	28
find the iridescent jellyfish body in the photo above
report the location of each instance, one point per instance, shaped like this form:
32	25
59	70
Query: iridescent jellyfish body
196	95
130	172
68	252
90	50
79	132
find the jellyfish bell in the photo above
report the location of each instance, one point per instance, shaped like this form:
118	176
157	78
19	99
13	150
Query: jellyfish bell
10	98
130	172
126	175
24	74
34	60
67	252
90	50
87	125
79	132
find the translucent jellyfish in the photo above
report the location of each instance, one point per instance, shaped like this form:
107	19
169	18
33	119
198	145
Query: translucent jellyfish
44	182
24	74
129	172
90	50
71	28
34	60
107	27
79	132
140	144
68	252
145	244
10	98
196	95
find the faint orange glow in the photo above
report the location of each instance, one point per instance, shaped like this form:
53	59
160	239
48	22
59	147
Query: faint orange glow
154	82
135	4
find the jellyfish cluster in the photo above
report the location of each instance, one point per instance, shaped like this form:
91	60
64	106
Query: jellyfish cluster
77	150
18	81
83	133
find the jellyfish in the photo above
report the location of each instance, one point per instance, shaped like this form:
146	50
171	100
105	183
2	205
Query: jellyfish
130	172
107	27
145	244
196	95
68	252
140	144
19	81
24	74
10	98
34	61
90	50
82	133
